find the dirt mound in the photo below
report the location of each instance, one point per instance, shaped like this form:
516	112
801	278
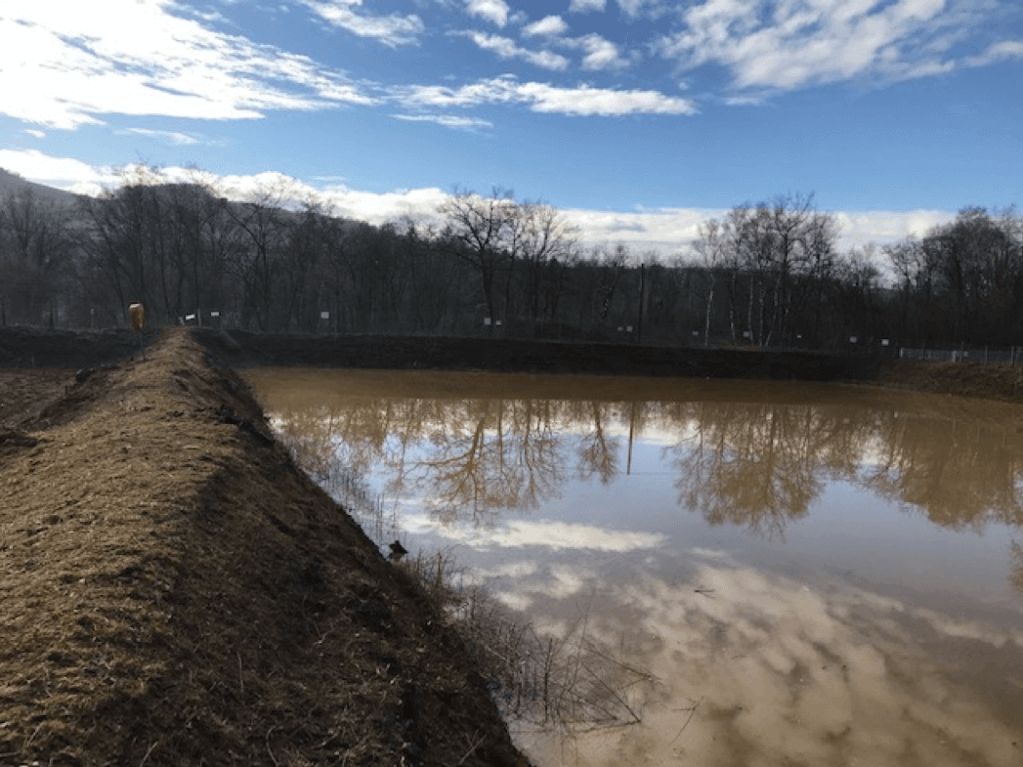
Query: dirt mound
966	379
176	592
511	355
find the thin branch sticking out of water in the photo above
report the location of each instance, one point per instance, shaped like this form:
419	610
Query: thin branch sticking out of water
572	683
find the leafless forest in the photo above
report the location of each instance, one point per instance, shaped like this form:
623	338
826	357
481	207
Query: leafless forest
764	274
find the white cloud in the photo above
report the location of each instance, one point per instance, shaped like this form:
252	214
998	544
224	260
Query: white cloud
392	30
518	533
665	231
506	48
448	121
748	100
62	64
585	6
513	601
548	26
1007	49
600	53
634	8
862	227
587	100
796	43
35	133
171	137
813	667
494	11
542	97
669	230
61	172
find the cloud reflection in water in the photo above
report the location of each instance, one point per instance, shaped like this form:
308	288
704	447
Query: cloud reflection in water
796	664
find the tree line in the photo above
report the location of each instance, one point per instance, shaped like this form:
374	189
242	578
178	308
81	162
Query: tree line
765	274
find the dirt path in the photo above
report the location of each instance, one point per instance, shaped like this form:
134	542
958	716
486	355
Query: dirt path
176	592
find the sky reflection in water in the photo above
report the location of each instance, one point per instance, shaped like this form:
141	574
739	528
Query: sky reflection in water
819	575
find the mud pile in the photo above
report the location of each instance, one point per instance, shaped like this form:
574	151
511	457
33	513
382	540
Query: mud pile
175	591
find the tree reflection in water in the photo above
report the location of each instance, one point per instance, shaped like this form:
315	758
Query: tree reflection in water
809	665
755	464
1017	566
486	456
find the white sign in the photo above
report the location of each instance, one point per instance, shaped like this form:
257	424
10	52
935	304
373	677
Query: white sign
498	323
189	317
214	314
884	342
486	321
324	315
745	334
628	328
852	339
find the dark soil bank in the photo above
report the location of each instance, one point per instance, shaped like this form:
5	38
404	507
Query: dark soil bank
1000	382
35	347
504	355
175	591
968	379
30	348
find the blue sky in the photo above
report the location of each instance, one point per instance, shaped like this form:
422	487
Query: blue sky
640	116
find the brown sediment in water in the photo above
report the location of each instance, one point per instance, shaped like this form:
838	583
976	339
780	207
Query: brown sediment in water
175	591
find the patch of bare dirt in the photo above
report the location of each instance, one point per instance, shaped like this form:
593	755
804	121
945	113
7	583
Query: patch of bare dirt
23	393
176	592
965	379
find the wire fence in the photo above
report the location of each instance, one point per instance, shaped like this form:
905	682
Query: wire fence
1012	355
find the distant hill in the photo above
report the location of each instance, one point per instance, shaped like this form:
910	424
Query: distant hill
13	183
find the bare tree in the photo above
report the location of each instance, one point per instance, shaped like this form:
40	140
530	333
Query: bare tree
482	231
34	259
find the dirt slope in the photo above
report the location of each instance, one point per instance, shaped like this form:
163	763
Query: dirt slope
176	592
24	392
22	347
242	349
512	355
965	379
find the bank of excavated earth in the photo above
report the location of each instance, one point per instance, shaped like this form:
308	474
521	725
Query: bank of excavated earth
41	349
175	591
1000	382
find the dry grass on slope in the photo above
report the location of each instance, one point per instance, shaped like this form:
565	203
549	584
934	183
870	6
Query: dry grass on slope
176	592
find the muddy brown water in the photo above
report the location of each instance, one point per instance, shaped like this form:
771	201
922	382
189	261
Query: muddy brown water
798	574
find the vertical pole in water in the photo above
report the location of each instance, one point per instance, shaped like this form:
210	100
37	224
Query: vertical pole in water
632	428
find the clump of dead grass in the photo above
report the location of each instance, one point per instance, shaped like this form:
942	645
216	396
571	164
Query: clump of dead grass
571	682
